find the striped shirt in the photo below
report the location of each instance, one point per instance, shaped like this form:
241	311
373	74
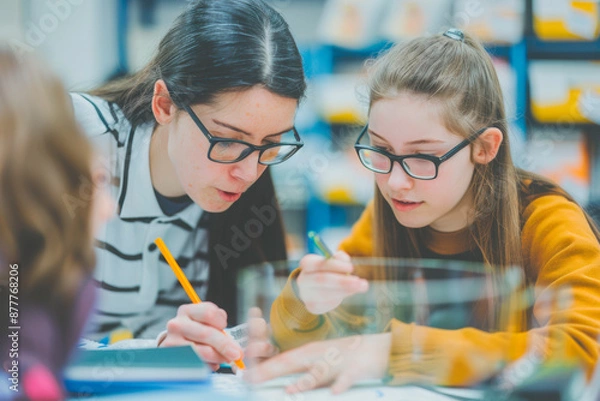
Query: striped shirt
137	289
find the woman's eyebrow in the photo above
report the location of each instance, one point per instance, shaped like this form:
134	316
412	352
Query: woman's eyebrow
241	131
415	142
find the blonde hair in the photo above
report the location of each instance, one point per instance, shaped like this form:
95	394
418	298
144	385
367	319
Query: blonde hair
45	160
460	77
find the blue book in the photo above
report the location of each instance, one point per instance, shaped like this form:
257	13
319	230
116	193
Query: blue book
122	370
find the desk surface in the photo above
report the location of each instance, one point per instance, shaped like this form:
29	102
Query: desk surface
232	388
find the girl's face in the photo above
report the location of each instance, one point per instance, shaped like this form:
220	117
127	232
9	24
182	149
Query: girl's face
256	116
410	124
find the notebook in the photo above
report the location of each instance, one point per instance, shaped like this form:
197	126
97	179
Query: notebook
115	370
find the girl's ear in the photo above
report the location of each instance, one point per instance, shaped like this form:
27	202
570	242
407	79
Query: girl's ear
163	108
486	146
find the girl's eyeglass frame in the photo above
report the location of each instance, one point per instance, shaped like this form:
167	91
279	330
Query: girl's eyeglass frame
437	161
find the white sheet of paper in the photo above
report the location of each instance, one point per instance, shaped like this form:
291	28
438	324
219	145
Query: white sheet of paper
274	390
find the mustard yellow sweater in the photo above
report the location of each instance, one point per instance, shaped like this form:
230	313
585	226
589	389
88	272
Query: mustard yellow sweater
562	251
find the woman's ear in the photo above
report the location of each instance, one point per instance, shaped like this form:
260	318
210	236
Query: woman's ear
486	146
163	108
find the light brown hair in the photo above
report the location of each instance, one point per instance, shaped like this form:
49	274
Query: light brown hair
461	78
44	160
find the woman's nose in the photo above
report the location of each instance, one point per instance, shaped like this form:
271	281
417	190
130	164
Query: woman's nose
248	169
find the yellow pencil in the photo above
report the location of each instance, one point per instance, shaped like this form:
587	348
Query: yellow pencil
185	283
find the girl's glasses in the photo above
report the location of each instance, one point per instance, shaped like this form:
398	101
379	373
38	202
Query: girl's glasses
225	150
421	167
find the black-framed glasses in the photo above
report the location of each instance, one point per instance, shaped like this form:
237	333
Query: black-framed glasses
226	150
421	167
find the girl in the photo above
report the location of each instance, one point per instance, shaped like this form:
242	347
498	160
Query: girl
437	140
190	138
51	203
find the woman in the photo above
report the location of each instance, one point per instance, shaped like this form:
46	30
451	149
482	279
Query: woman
189	139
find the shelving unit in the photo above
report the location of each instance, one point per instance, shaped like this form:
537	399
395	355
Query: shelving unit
568	50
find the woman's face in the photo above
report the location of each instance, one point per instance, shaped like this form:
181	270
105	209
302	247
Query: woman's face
256	116
410	124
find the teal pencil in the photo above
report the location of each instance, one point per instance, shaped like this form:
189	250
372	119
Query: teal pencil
320	244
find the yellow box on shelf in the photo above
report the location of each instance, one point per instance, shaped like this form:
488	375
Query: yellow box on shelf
341	98
343	117
566	19
340	195
345	183
565	91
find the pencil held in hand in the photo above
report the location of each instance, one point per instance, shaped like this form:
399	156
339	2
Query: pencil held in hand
316	239
185	283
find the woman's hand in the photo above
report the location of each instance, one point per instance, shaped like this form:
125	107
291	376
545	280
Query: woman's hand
201	325
324	283
259	346
339	362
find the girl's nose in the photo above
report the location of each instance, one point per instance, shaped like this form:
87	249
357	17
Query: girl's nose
399	179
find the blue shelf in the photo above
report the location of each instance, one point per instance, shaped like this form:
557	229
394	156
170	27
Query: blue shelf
320	59
518	60
502	51
537	48
363	53
587	127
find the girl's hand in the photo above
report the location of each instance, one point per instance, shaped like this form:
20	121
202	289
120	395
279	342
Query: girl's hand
339	363
259	346
201	325
324	283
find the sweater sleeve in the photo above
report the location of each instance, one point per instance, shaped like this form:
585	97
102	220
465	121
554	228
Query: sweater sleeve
360	241
292	324
562	259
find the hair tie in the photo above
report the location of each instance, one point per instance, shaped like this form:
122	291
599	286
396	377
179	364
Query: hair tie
455	34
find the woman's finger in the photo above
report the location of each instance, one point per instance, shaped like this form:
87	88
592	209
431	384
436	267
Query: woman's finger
258	329
260	350
209	355
206	312
255	313
206	335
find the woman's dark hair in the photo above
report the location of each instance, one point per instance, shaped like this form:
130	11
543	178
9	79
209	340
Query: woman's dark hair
215	46
250	232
